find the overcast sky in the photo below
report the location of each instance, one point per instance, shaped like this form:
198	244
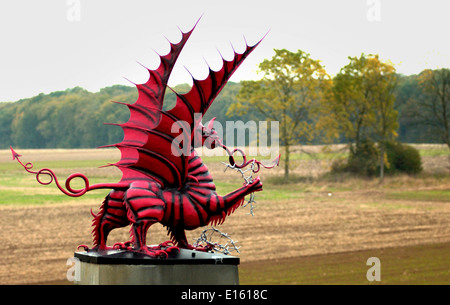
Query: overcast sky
51	45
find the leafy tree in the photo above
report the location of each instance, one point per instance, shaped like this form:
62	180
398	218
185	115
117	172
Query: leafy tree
365	159
383	82
407	92
346	110
435	107
288	93
360	105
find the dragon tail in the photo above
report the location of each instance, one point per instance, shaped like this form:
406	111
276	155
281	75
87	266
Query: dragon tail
68	190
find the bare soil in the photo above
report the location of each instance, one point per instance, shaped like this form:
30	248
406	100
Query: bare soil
37	241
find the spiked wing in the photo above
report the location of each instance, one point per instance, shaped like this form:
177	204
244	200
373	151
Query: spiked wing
151	148
203	92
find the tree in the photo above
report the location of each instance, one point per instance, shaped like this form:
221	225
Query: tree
435	107
360	105
346	109
407	93
383	81
288	93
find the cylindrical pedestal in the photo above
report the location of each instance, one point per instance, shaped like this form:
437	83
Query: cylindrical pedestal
186	267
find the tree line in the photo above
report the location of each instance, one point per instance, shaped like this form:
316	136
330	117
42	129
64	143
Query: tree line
363	105
366	101
77	118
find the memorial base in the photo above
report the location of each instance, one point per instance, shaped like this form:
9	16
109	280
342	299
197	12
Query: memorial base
186	267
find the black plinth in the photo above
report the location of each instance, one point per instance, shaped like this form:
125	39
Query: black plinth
181	257
188	267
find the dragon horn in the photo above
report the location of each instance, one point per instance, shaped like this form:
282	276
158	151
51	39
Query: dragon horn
211	123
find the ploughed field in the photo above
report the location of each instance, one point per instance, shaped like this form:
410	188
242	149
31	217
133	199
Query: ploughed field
312	217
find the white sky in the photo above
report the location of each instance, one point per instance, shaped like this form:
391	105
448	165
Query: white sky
42	50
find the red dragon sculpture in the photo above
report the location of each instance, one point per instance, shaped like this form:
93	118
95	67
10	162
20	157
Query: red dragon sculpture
163	178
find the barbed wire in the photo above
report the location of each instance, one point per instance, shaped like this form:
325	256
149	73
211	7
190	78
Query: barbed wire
247	179
206	237
206	240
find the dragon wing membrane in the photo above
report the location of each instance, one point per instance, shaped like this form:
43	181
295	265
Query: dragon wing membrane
140	158
203	92
147	150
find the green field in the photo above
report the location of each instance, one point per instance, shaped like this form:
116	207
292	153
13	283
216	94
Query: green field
416	265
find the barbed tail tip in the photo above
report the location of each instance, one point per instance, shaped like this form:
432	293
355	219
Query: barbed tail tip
14	154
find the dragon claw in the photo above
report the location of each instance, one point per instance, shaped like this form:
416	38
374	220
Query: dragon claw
173	248
96	248
162	250
154	253
201	248
166	244
122	246
85	247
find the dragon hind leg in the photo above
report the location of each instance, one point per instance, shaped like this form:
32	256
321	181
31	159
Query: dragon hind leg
112	215
144	208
